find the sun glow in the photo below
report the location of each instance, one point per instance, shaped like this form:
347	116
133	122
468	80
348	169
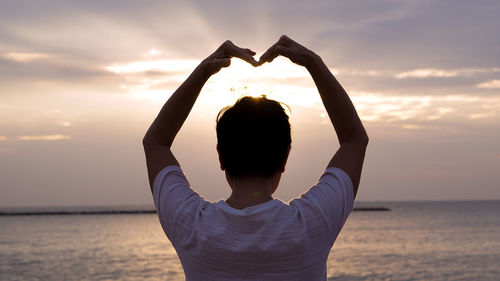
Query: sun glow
284	81
281	80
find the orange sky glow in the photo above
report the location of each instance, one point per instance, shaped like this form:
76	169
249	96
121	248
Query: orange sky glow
80	87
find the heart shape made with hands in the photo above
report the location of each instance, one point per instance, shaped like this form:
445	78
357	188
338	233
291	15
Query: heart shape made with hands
284	47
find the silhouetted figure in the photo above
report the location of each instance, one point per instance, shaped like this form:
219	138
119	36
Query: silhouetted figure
252	236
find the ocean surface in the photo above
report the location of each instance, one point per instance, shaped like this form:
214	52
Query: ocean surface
413	241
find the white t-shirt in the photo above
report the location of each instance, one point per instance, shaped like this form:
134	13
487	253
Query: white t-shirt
270	241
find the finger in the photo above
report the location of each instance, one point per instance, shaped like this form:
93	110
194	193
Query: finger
273	52
269	55
292	54
250	52
285	51
286	41
244	54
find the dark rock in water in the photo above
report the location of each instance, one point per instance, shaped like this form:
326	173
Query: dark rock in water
59	213
123	212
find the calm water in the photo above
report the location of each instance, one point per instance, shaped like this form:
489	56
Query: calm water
414	241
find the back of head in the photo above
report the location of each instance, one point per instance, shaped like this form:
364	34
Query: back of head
253	137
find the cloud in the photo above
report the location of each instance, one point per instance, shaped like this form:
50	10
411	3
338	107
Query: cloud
412	127
426	72
397	101
45	137
280	68
375	107
148	77
25	57
443	73
2	138
161	66
481	115
493	84
64	123
357	72
29	70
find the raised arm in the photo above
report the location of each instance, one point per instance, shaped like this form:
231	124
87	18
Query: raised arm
161	133
350	131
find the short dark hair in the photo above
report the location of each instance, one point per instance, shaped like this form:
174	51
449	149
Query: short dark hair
253	137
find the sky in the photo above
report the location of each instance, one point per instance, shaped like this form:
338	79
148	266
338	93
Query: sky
81	81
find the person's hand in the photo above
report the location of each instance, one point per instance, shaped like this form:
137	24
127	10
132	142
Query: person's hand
222	57
288	48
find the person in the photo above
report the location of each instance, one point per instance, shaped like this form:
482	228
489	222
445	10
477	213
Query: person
251	236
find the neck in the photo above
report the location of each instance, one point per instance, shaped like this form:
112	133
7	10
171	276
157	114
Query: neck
250	191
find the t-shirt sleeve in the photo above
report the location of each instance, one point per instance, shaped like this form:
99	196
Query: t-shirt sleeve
174	199
332	197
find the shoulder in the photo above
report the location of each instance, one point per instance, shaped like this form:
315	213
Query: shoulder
333	182
167	179
331	199
336	178
175	201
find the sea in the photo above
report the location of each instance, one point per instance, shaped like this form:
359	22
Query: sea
451	240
